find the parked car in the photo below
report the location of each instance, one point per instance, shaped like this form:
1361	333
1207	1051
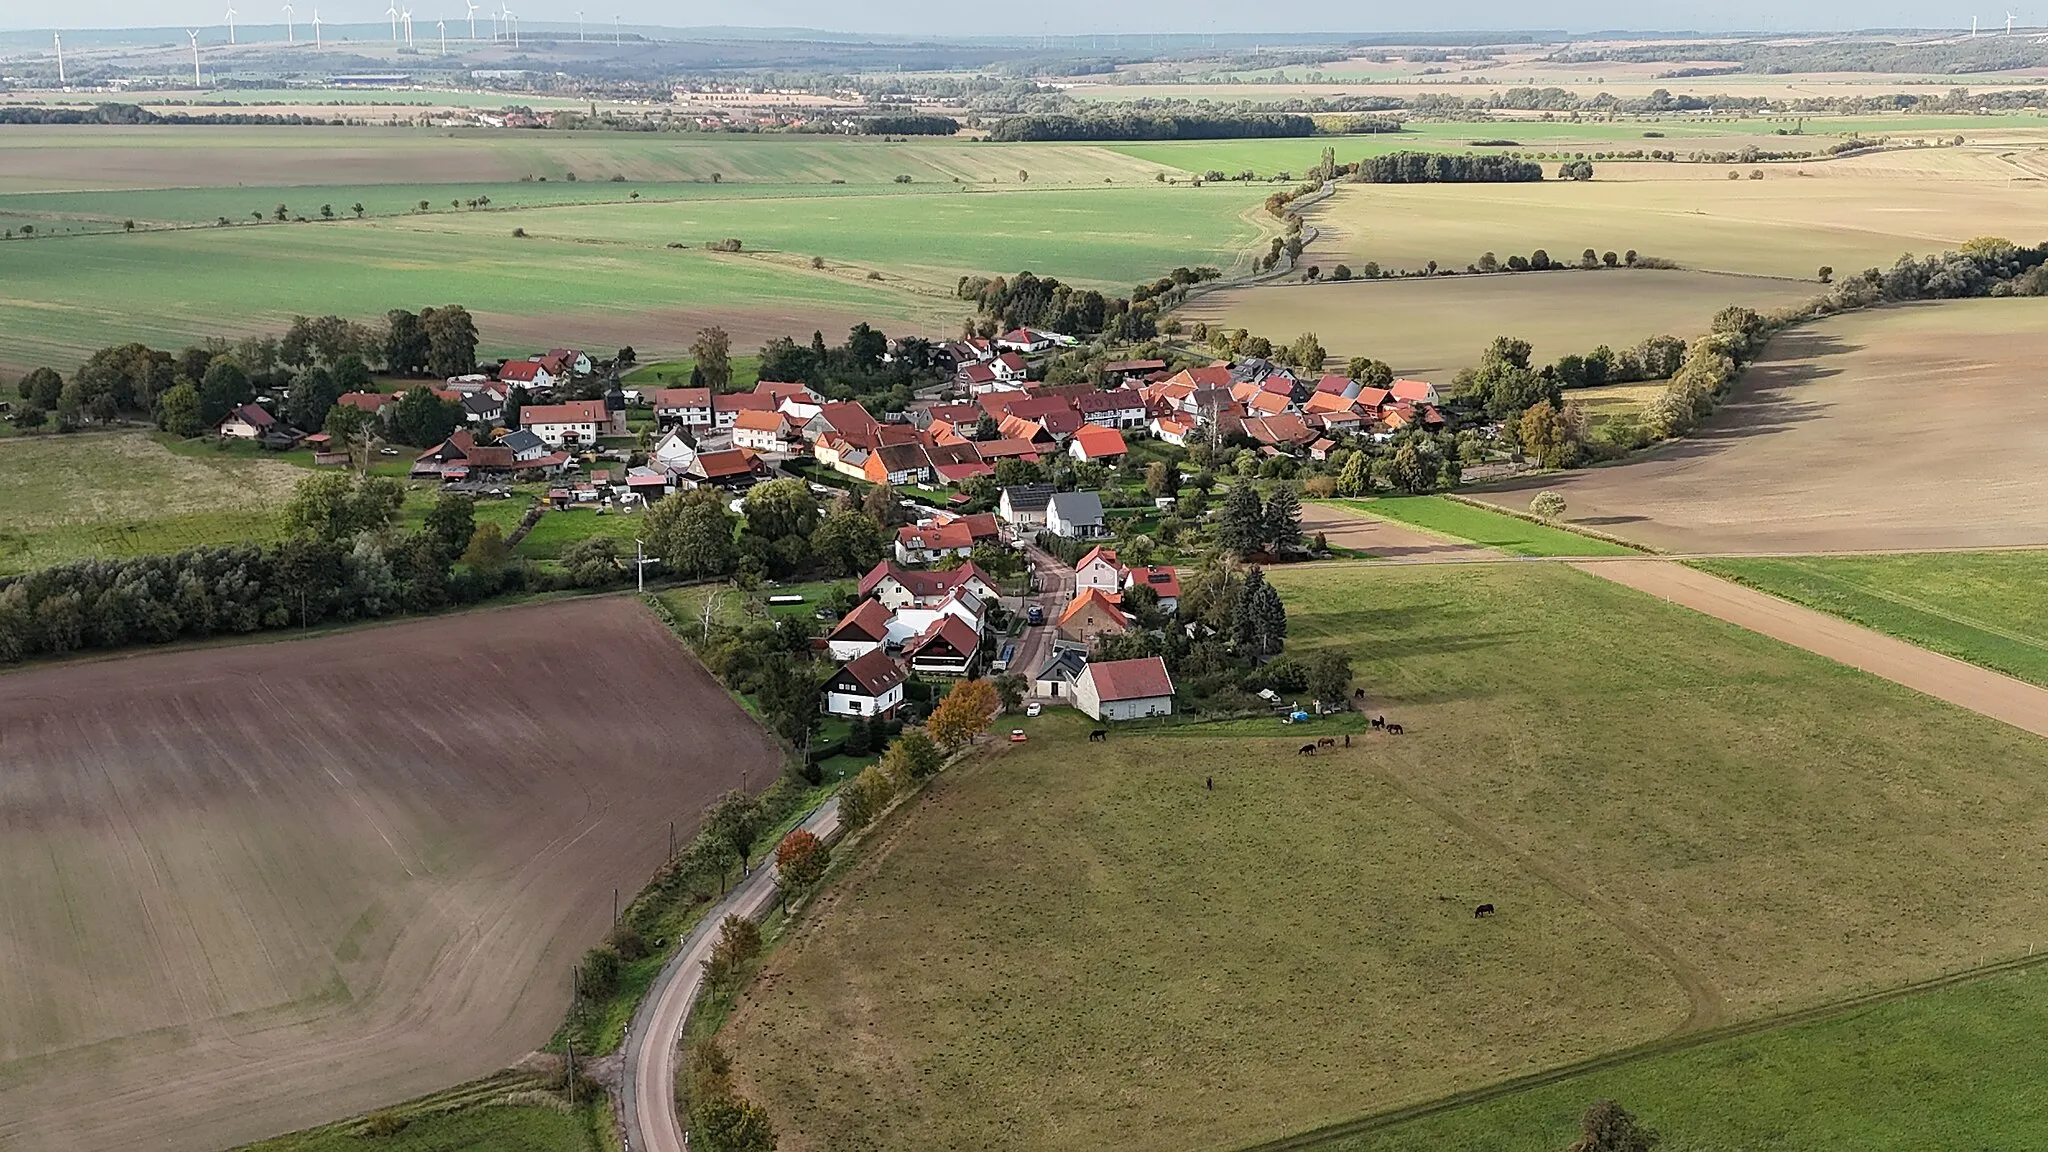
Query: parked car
1034	615
1034	708
1017	736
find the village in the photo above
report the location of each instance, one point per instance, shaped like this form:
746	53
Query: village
995	464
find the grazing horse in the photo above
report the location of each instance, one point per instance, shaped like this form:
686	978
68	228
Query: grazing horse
1306	750
1358	695
1482	912
1393	729
1379	721
1327	742
1347	739
1098	736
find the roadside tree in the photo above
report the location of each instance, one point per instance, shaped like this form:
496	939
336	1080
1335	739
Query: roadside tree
963	714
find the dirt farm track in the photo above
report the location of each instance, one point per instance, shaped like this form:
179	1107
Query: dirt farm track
250	889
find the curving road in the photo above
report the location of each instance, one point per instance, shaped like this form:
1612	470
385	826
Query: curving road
647	1091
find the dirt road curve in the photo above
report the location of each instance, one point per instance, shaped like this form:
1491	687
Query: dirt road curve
1385	539
649	1093
1980	690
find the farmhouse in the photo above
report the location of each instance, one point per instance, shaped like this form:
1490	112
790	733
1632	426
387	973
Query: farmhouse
575	423
672	454
528	374
1092	613
251	422
1125	689
898	587
735	469
1094	443
683	407
1056	676
1120	409
1416	392
368	403
868	685
1024	340
563	362
933	541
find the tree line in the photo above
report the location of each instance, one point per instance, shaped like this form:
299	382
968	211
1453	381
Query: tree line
116	113
1143	125
1025	300
909	124
1445	168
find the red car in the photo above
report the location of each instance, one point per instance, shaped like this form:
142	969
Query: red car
1016	735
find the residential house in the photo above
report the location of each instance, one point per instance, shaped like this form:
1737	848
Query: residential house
1285	431
528	374
1099	570
1321	449
461	457
483	409
933	541
1098	444
957	463
1174	429
565	362
689	408
847	420
650	484
860	631
735	470
1055	678
1210	376
368	403
1119	371
252	422
726	409
1416	392
1162	580
868	685
672	454
1342	387
1092	613
1124	408
1124	689
1005	373
946	648
899	587
897	464
1370	400
761	431
1024	340
994	452
574	423
1075	515
795	400
1025	505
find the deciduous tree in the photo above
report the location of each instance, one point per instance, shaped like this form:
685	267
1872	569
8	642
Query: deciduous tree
712	351
1608	1127
177	411
338	506
963	714
801	860
451	340
692	533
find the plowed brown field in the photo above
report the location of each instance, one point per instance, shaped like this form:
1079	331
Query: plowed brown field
251	889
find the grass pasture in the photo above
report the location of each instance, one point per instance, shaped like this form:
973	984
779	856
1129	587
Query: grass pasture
286	883
1984	607
1496	530
1433	327
1118	953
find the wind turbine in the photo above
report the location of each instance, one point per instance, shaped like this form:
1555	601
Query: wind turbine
1973	27
291	34
472	18
579	25
617	41
2009	18
406	16
442	27
393	13
316	28
496	16
231	23
61	81
512	22
194	34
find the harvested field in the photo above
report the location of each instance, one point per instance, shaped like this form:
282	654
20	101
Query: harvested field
1852	213
1835	441
257	888
1434	327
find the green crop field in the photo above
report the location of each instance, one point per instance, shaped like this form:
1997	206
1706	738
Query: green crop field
1985	607
1433	327
1951	1069
1496	530
1097	964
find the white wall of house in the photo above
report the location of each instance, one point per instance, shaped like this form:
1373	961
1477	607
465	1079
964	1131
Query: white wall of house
856	704
1087	701
1098	573
845	650
759	439
560	434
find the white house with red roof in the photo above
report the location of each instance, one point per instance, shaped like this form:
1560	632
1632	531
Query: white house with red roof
1162	580
1024	340
528	374
1123	408
572	423
761	431
682	407
1416	392
1093	442
1005	373
896	586
1124	689
249	422
1100	570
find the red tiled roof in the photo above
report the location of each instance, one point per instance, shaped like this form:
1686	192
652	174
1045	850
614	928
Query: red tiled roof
521	371
948	535
1372	397
1098	553
923	583
681	397
371	402
869	620
1411	390
1008	447
568	412
759	421
733	462
957	633
1099	443
875	672
1088	596
1159	578
1130	679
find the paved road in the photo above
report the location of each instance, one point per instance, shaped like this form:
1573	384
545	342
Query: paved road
1056	587
648	1091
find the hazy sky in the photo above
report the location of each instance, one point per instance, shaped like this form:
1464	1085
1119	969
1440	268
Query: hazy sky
947	17
1070	17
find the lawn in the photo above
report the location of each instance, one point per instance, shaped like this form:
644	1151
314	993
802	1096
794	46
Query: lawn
124	494
1984	607
1482	526
1952	1069
1076	945
516	1128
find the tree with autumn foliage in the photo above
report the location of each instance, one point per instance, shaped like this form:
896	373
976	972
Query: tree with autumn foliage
963	714
800	860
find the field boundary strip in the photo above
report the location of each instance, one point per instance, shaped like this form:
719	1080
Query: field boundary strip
1318	1138
1560	525
1900	599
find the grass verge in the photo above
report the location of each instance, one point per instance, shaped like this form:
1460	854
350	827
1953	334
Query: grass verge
1485	527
